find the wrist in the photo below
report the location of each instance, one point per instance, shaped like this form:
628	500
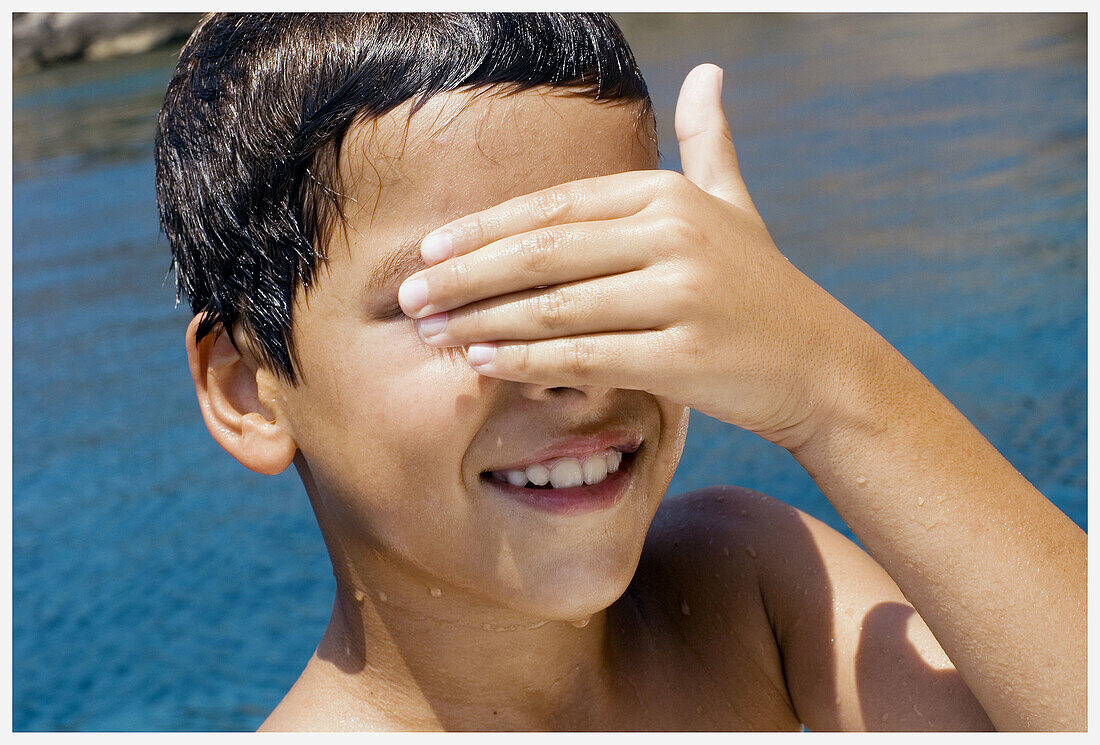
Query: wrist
859	386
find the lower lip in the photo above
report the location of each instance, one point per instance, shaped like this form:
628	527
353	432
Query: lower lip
575	500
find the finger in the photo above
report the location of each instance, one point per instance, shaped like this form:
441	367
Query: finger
707	155
619	360
542	257
600	198
628	302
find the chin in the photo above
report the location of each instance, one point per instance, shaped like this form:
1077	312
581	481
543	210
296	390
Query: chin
574	587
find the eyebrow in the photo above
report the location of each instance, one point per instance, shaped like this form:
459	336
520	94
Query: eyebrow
395	266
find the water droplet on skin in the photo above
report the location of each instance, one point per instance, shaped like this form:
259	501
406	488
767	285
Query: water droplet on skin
436	592
580	623
920	501
684	608
382	596
751	552
359	596
861	480
744	513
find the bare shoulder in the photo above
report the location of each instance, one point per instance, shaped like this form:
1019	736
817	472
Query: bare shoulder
817	613
732	535
728	538
702	564
317	702
302	710
739	512
734	545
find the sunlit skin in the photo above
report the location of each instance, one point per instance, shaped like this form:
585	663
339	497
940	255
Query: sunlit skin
582	292
394	435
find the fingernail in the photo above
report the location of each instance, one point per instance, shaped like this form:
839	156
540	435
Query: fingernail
436	247
413	295
431	325
480	354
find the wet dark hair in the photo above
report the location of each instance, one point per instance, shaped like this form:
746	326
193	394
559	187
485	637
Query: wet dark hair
249	137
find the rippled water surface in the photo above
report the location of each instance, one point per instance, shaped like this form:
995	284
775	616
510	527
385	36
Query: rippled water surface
929	171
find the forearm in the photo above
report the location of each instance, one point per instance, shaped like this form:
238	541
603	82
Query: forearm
649	281
996	571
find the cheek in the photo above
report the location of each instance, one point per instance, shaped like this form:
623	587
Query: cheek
678	417
384	401
674	429
418	389
384	432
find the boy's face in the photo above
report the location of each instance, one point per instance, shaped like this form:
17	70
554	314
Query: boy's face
396	439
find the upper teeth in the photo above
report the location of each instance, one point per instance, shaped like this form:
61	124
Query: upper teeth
563	473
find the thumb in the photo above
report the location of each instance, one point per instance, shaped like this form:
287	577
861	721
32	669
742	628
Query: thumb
706	147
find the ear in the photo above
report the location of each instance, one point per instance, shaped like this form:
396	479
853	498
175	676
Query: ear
228	388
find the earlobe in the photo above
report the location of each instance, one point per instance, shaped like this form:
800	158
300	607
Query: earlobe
229	398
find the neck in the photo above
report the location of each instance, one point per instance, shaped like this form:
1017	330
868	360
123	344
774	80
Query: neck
419	655
428	665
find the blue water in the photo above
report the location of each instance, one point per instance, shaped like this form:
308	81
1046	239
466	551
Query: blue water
929	171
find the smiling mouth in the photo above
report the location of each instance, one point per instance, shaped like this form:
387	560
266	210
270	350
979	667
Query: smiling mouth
565	473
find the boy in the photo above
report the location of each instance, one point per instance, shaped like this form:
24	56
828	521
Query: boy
488	476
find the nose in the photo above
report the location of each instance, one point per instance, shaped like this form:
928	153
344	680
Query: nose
563	394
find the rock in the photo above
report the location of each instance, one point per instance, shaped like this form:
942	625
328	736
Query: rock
40	39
